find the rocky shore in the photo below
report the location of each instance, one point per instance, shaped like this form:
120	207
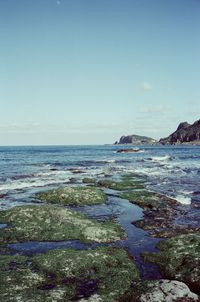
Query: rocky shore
105	273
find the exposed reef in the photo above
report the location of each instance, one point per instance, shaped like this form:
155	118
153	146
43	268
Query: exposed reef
54	223
67	275
124	184
104	273
73	195
160	213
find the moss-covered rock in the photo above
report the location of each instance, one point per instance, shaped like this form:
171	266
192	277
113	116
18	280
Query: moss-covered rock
111	269
73	196
18	281
54	223
134	176
148	199
88	180
126	184
60	275
179	258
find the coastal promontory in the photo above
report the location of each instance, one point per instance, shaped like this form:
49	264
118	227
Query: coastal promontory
135	140
185	134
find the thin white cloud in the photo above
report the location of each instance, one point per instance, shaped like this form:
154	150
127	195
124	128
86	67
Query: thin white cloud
146	86
155	109
19	127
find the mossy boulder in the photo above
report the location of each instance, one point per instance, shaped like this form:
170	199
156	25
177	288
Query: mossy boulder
179	258
73	196
64	274
126	184
111	270
88	180
54	223
148	199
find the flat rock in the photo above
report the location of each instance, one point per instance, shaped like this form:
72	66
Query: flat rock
73	196
54	223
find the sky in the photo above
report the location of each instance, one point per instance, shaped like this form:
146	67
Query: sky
90	71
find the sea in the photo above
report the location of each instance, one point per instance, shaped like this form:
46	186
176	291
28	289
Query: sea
170	170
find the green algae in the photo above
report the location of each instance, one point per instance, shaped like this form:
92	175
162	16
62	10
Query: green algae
134	176
54	223
113	271
58	275
88	180
126	184
179	258
8	261
73	196
21	281
145	198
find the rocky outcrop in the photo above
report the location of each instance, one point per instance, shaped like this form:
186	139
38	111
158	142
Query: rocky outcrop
185	133
136	140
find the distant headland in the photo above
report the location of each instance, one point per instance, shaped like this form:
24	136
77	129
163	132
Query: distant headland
185	134
135	140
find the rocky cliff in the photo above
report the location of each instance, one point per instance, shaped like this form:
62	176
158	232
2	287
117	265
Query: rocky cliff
185	133
136	140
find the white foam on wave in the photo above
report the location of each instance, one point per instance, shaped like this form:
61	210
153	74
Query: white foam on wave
149	171
185	192
22	185
161	158
186	200
110	161
38	180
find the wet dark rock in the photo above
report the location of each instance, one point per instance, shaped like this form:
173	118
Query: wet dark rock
128	150
76	171
73	180
160	213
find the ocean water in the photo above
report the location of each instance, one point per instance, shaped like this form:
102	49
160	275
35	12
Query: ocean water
174	171
171	170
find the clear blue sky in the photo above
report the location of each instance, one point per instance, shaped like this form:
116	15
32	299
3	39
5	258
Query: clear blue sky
89	71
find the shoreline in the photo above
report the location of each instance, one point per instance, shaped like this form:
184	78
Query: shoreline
153	206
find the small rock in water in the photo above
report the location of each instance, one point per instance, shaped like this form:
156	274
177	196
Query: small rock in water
128	150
